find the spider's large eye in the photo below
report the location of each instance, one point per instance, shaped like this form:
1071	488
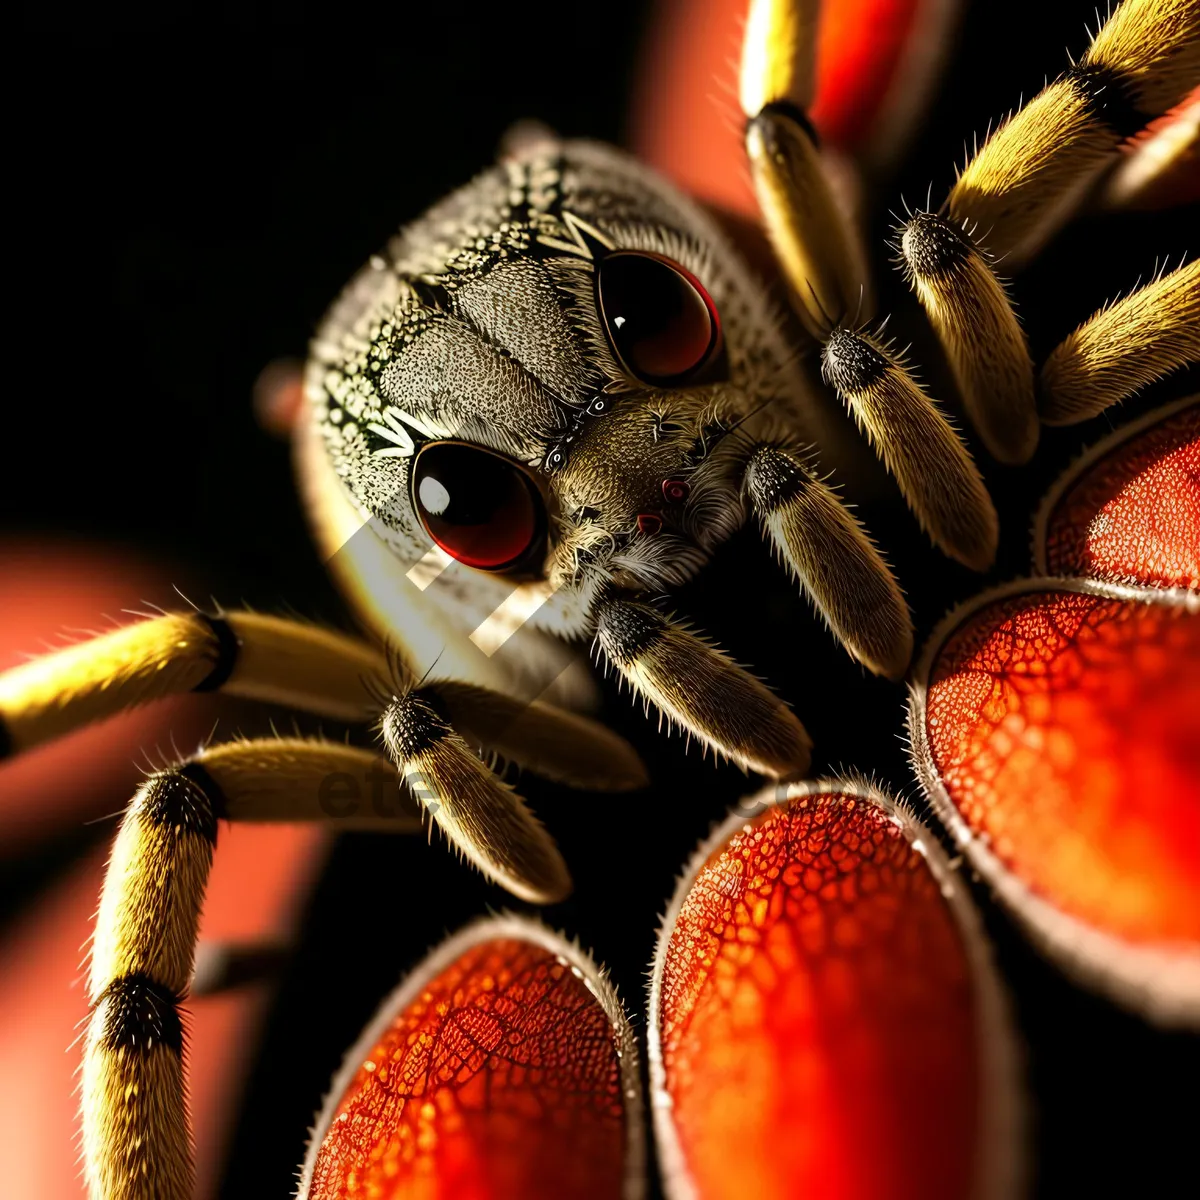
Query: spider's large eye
659	318
480	508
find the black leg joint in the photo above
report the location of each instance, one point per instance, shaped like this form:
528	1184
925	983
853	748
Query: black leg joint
139	1014
627	631
795	114
850	363
773	479
227	653
933	247
187	799
1108	96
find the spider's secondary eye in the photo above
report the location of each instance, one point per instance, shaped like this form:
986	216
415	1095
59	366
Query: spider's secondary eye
477	506
659	318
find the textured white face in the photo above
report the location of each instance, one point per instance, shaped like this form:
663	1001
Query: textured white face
506	320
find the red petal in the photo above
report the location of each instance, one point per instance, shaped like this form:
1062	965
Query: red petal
821	1002
502	1067
1060	740
1129	511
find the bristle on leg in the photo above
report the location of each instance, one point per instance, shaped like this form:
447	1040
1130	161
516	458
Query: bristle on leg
974	320
917	444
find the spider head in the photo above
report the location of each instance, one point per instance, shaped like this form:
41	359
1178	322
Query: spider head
545	378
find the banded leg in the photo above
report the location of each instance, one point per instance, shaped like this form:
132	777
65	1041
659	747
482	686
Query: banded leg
833	559
1124	347
135	1138
699	688
1035	169
818	248
243	654
823	260
292	663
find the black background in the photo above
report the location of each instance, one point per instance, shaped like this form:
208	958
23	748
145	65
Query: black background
195	188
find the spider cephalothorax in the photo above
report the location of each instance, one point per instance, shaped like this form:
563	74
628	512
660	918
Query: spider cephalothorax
569	311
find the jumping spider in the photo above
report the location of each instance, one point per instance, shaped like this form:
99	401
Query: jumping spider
543	405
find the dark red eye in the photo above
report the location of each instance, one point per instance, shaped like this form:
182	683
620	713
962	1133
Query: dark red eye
480	508
659	318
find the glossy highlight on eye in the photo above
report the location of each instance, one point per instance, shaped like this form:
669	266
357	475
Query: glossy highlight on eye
477	506
660	320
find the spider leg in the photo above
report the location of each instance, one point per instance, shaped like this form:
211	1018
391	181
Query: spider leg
832	557
701	689
1124	347
481	814
1035	169
135	1137
974	319
918	445
292	663
245	654
814	241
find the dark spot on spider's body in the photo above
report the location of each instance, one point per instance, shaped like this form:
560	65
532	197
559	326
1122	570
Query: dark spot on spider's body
702	447
662	426
431	293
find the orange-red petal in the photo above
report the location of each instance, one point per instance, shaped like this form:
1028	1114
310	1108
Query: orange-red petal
822	1006
1057	730
1129	511
502	1067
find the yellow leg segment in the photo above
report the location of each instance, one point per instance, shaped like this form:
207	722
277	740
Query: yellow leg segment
814	240
1033	172
1123	348
135	1138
